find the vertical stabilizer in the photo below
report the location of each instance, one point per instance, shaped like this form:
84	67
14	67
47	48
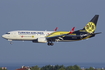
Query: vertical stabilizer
91	26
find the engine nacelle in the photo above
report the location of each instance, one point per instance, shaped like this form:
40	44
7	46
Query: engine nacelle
40	40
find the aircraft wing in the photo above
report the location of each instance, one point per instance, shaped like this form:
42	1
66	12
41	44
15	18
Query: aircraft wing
53	38
56	35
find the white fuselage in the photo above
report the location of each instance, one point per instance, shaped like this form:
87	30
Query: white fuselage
25	35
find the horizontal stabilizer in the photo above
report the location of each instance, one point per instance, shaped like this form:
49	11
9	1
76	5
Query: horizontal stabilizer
97	33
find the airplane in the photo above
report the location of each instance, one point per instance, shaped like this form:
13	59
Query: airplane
54	36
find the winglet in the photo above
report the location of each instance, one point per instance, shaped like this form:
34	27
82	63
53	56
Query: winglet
56	29
71	30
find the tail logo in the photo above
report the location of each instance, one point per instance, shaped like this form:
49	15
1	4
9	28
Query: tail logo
90	27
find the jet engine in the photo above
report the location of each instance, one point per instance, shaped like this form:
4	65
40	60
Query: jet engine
40	40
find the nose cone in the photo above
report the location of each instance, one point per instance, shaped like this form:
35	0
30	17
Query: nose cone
3	36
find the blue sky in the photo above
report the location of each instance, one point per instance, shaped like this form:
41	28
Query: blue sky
46	15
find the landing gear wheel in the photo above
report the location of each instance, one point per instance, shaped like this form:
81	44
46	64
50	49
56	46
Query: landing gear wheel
50	44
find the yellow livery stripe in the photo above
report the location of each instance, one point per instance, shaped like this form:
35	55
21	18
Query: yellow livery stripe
58	33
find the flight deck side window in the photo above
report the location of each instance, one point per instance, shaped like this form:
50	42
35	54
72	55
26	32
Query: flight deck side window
7	33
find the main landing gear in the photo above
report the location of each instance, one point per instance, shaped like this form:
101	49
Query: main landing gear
50	44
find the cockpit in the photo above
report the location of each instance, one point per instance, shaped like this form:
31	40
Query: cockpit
7	33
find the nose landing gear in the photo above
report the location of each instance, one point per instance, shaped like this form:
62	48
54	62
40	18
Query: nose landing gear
10	41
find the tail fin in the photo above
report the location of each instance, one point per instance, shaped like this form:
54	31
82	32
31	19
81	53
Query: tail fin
91	26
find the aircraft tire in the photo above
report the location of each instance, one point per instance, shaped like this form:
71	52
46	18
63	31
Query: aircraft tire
50	44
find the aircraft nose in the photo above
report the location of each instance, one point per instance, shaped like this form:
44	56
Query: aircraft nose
3	36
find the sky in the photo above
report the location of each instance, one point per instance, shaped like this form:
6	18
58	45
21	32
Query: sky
47	15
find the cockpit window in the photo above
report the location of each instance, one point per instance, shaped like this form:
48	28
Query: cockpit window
7	33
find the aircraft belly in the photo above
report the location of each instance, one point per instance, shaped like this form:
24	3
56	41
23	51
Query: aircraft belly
72	39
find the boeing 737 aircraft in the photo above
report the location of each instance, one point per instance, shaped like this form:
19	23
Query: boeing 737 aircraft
54	36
